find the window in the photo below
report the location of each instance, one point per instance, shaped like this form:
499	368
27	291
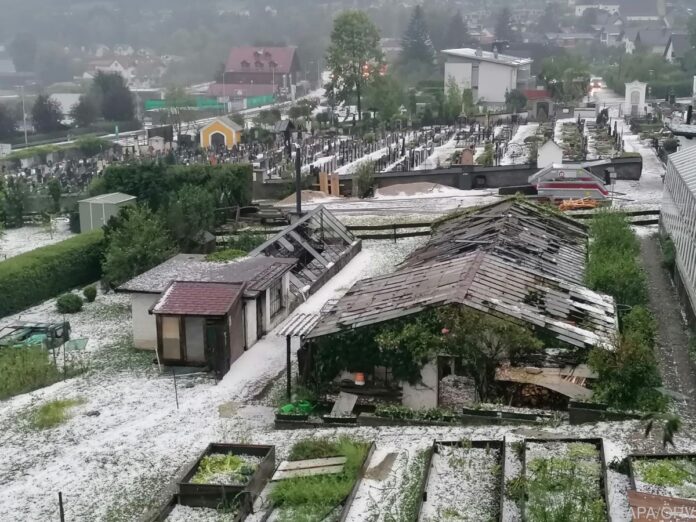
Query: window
276	292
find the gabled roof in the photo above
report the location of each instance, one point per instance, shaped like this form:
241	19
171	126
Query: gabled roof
681	44
258	272
486	282
227	122
244	59
112	198
198	298
638	8
653	37
516	231
684	163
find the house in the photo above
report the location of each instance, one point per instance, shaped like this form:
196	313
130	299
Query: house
221	132
678	221
653	41
558	182
276	68
643	10
261	283
611	7
508	260
95	212
570	40
677	47
549	153
110	66
490	75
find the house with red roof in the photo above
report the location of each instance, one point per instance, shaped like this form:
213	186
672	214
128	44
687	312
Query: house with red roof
259	71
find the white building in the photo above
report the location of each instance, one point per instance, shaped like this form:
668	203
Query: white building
549	153
678	219
488	74
582	5
634	104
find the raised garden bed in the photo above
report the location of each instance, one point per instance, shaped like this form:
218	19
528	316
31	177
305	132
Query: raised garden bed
172	511
563	479
464	481
667	475
316	497
227	473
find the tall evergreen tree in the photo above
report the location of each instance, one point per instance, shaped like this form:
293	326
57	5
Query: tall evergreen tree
416	43
457	34
503	25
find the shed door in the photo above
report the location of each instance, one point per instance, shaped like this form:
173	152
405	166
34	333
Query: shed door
171	342
195	339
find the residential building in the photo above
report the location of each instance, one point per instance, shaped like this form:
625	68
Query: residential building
121	66
611	7
654	41
678	220
489	75
276	69
677	47
570	40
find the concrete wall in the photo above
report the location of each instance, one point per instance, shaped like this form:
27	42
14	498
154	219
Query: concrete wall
250	322
422	396
461	72
494	80
144	325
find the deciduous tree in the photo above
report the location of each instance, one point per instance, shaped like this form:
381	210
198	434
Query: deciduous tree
8	122
354	55
22	49
113	96
190	211
46	114
85	112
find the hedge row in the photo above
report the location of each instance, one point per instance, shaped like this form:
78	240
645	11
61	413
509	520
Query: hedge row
33	277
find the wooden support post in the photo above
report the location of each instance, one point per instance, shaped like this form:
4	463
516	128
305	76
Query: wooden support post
60	506
288	341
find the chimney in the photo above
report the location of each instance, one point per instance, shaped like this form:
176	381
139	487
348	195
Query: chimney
479	52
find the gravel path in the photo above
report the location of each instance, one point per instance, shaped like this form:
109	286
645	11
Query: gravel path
672	340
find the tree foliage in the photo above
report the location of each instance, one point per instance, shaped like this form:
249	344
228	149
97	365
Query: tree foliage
191	210
113	97
354	55
46	114
385	96
85	112
137	240
457	34
8	122
23	49
365	179
566	76
515	100
178	104
416	44
503	24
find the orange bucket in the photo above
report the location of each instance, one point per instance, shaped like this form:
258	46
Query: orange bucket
360	379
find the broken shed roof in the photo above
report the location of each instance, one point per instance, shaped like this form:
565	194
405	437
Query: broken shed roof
198	298
486	282
258	272
516	231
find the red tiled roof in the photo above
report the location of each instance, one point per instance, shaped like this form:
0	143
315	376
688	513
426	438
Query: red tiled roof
198	298
535	94
244	90
281	57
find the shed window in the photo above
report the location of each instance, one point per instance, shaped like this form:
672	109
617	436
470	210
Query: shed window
276	292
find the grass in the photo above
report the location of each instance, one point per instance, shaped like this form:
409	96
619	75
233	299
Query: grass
311	499
24	369
53	413
228	254
233	469
666	472
408	504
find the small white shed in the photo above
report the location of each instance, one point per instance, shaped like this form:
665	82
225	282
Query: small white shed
96	211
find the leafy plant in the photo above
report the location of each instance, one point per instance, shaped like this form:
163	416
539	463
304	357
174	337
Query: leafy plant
223	469
25	368
90	293
53	413
394	411
245	241
69	304
665	472
227	254
364	180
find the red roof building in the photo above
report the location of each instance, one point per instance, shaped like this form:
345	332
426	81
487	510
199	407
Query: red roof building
276	67
198	298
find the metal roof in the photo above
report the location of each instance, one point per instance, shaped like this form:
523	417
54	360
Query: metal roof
684	163
112	198
483	281
299	324
516	231
487	56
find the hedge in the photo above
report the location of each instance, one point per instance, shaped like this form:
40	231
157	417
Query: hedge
33	277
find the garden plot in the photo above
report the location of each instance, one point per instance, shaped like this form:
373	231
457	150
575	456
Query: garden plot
563	480
464	482
513	468
16	241
517	152
191	514
665	475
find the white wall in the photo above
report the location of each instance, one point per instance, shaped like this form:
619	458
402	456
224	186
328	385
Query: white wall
144	325
422	396
549	154
494	80
250	322
461	72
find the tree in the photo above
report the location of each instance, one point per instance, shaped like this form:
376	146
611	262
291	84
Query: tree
8	122
515	100
15	201
365	179
385	96
91	145
453	101
691	26
416	43
503	25
137	240
566	76
85	112
114	99
22	49
190	211
177	102
482	341
268	117
354	55
46	114
550	21
55	191
457	34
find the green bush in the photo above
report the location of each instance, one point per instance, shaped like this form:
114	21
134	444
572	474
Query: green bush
53	413
225	255
24	369
69	304
246	241
33	277
90	293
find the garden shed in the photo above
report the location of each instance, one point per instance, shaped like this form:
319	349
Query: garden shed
95	212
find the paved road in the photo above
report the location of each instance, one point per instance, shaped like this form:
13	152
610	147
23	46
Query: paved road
678	372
